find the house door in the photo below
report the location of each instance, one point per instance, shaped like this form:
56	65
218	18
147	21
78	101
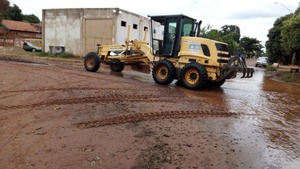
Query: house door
97	31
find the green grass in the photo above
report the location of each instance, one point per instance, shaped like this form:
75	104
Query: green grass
43	54
287	77
62	55
271	68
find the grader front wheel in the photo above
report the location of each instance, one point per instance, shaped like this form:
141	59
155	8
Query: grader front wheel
91	62
116	66
193	76
163	72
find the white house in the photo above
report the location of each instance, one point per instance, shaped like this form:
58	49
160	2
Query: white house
78	31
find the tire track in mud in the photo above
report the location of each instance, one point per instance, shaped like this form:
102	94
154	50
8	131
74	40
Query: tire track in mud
95	99
77	88
52	89
133	118
21	60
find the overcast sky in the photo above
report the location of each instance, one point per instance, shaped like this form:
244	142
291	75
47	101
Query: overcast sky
253	17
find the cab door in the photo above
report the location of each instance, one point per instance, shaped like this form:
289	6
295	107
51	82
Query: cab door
170	36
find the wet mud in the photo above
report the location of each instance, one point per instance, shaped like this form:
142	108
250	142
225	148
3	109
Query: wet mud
60	116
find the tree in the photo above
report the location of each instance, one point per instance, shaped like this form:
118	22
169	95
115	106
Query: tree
232	29
4	6
205	29
274	48
226	36
15	13
232	44
31	18
214	34
284	38
290	32
250	46
230	34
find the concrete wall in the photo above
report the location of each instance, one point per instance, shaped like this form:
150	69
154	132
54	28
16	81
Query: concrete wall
62	28
131	20
66	28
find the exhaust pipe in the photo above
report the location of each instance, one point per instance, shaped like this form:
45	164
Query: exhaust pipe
199	28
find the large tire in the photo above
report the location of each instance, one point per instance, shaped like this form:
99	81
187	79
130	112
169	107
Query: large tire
116	66
193	76
91	62
215	84
163	72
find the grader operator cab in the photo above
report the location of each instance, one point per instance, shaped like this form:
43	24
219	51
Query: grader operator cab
175	52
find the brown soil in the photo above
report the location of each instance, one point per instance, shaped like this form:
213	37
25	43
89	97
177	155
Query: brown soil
54	114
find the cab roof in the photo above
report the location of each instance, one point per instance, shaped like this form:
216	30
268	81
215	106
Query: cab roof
161	18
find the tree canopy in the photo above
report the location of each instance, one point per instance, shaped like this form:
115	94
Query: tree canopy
15	13
230	34
232	29
284	38
31	18
251	46
4	5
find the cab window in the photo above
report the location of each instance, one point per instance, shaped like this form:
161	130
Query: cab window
188	26
170	36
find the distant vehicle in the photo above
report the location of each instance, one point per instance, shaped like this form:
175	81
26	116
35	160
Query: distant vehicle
33	45
262	62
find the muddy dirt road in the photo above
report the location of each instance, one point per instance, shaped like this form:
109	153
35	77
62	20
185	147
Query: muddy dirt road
57	115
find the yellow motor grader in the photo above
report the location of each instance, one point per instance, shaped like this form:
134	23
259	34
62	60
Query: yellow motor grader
176	51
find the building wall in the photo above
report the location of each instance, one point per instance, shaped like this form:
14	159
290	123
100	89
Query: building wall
137	25
16	38
61	28
73	29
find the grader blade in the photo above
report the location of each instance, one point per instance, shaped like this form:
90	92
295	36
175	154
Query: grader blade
247	72
141	67
251	74
244	74
248	75
237	64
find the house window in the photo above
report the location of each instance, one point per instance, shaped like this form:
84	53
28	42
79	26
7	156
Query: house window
135	26
123	23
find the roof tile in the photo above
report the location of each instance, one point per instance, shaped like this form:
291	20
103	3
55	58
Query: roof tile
19	26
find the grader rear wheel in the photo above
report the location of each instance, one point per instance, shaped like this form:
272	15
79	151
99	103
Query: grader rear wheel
193	76
91	62
163	72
